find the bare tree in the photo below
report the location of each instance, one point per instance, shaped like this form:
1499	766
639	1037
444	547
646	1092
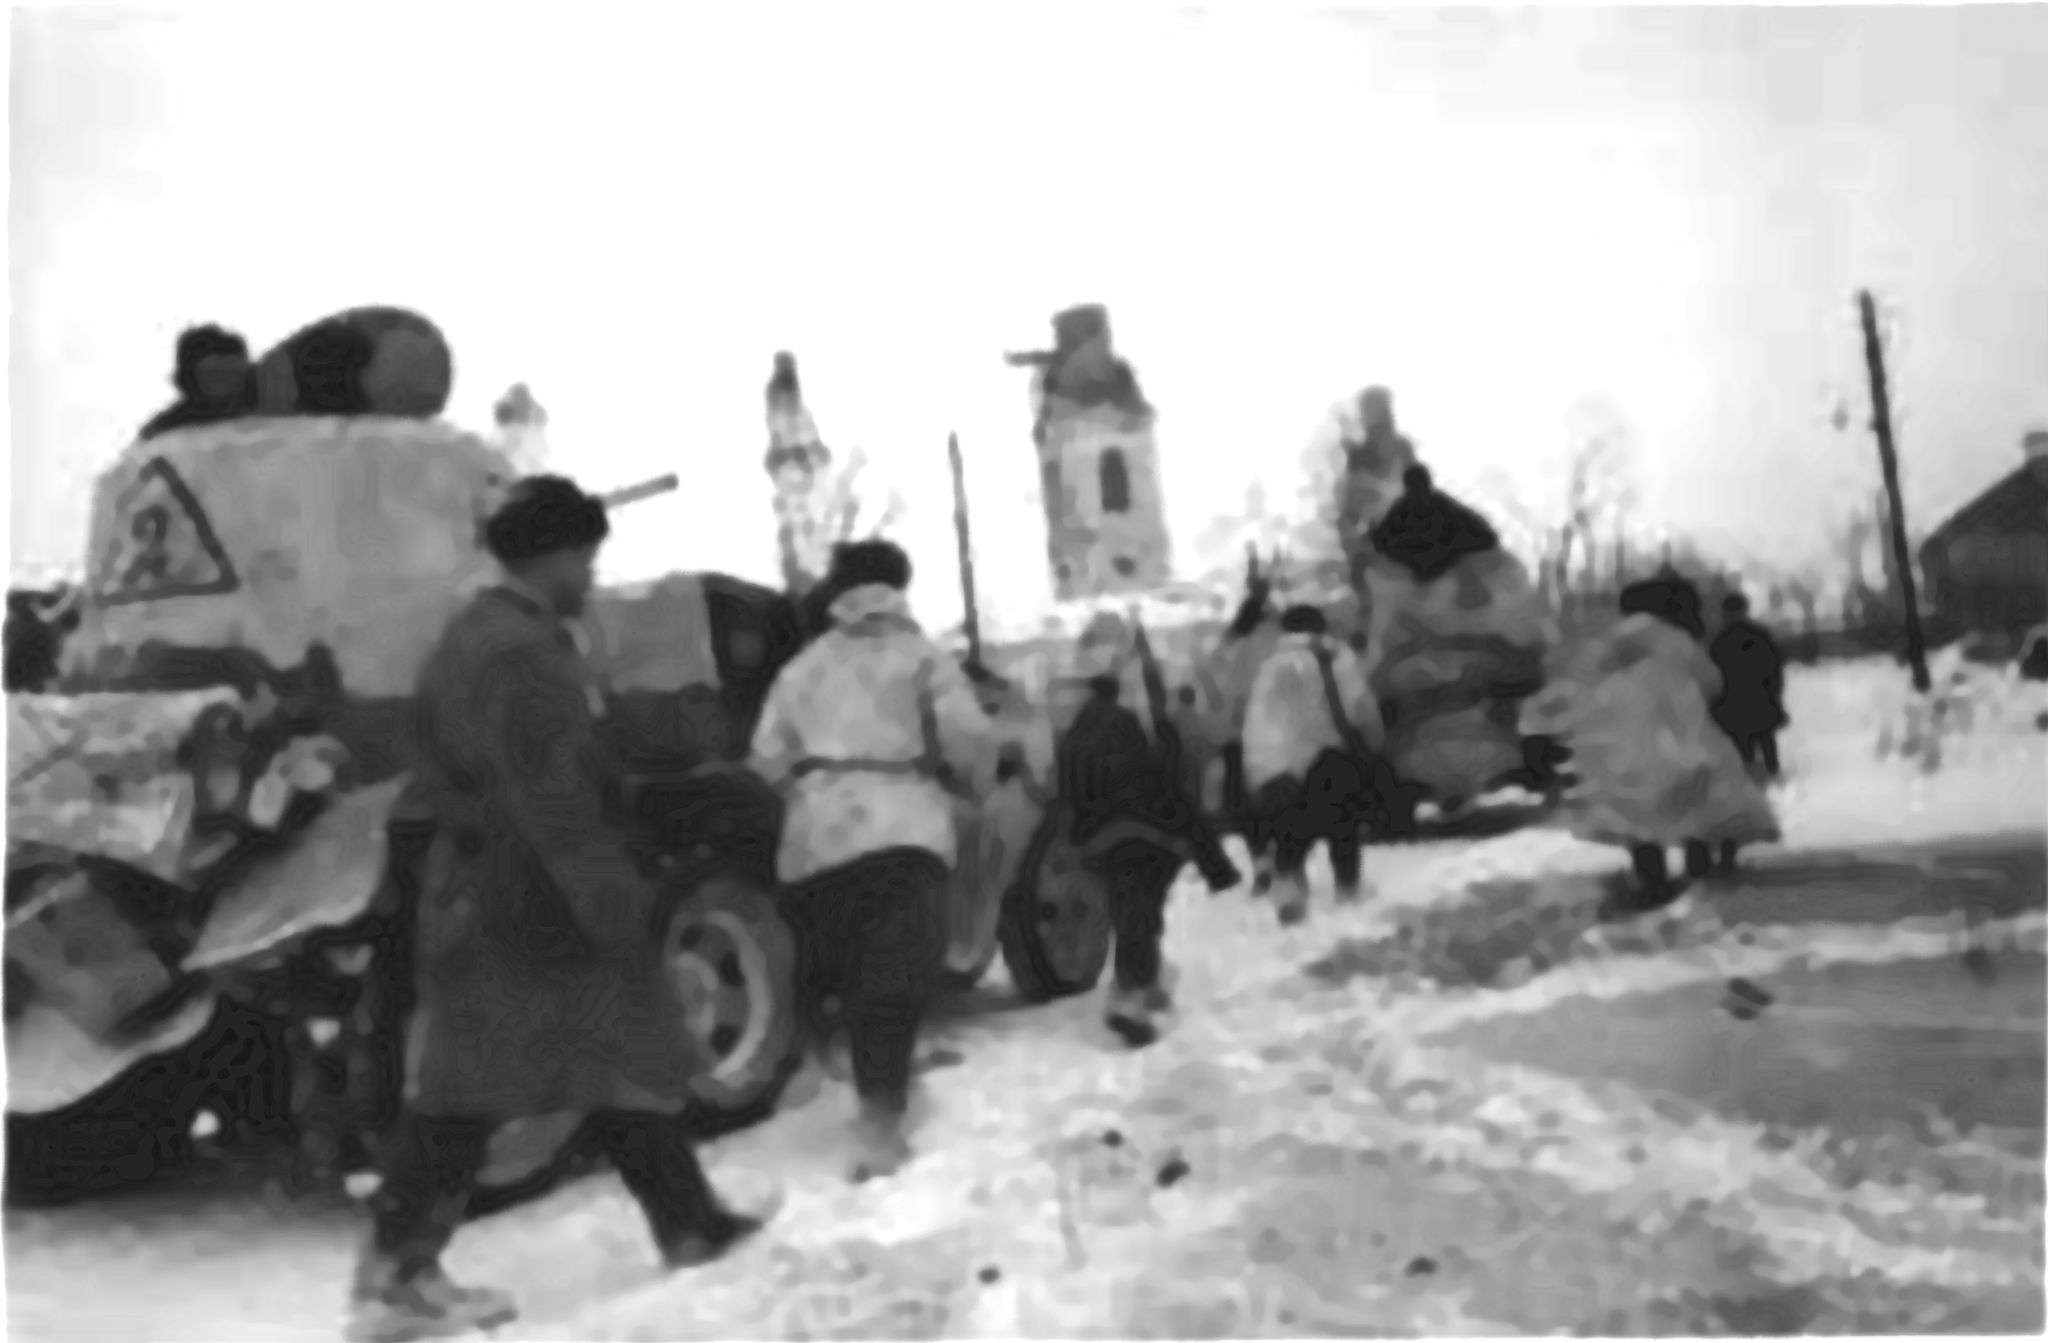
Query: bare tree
1802	588
1600	487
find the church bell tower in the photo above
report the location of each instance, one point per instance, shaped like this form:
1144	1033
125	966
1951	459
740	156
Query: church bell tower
1098	463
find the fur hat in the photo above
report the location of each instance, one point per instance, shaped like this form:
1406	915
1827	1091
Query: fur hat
542	515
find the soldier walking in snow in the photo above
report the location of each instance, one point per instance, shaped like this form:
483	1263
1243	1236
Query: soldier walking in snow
1300	759
1751	705
1111	770
539	975
872	732
1653	770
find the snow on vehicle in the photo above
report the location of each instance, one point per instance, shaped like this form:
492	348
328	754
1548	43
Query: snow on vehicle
1451	649
209	838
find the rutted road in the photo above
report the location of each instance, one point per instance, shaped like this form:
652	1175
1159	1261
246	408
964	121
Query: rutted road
1429	1132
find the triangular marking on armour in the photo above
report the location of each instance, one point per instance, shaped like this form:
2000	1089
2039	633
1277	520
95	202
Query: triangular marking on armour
163	544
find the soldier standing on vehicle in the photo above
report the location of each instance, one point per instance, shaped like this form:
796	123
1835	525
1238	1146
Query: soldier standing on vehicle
214	380
1751	705
871	733
1300	761
537	965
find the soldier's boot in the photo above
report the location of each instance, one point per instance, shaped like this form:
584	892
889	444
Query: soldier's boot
1290	894
1262	869
390	1305
706	1244
1699	859
1347	865
879	1147
660	1169
1136	1015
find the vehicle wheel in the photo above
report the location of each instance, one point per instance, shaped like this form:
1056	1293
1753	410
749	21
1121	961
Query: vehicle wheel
1056	928
731	968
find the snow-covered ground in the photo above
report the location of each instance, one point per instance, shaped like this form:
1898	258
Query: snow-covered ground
1309	1151
1850	783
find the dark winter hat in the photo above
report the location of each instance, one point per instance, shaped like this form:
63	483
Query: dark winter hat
1417	479
858	563
205	342
1303	620
1671	599
545	514
1735	604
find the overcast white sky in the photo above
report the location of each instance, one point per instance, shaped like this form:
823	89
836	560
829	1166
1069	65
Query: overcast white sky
631	209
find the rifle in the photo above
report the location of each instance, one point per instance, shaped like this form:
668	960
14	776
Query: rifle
1390	804
976	670
646	489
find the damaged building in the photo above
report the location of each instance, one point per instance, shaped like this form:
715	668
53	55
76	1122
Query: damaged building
1098	463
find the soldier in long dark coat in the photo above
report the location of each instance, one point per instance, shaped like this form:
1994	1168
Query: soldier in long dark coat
536	959
1751	705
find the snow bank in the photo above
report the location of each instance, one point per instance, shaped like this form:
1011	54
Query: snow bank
1977	766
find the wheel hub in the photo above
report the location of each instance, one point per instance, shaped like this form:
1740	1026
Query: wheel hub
720	975
1072	913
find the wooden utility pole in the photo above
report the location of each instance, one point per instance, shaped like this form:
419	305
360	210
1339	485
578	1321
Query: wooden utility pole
973	616
1881	421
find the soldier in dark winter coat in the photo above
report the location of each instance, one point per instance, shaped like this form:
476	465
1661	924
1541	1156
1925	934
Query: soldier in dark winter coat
1135	820
537	959
1652	769
1751	705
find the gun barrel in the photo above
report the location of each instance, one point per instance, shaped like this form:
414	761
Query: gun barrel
646	489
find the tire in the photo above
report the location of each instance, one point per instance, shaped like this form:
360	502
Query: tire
995	841
1056	928
730	962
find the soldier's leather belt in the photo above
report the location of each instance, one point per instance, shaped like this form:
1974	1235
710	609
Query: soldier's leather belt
818	764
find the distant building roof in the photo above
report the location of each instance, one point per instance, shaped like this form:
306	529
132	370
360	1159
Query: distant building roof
2017	503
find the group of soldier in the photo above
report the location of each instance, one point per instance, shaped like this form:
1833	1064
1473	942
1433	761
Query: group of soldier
540	988
539	984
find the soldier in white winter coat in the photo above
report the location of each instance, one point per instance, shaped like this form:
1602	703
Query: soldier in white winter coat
872	733
1304	782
